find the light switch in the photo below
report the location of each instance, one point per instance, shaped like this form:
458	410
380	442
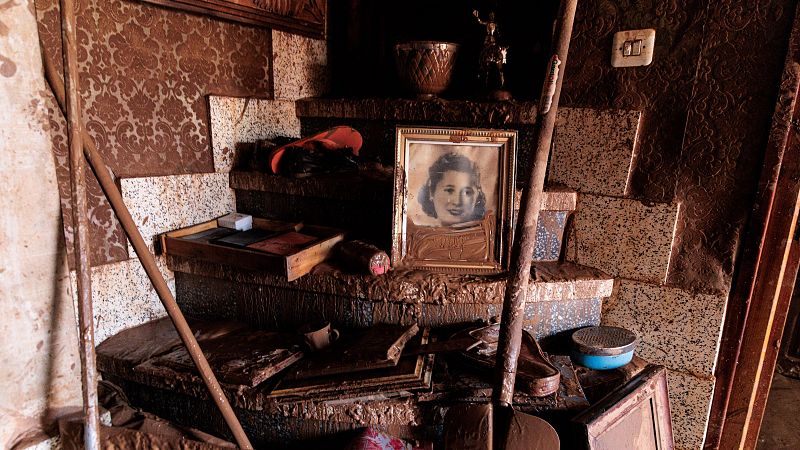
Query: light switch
633	48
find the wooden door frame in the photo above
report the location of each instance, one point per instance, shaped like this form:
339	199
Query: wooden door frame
764	279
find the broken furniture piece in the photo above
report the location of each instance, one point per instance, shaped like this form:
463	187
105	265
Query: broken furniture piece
377	347
635	415
245	357
279	248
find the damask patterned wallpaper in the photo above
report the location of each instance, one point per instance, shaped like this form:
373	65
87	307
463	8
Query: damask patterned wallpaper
707	102
145	74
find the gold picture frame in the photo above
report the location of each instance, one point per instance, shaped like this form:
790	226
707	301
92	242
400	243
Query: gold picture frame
453	199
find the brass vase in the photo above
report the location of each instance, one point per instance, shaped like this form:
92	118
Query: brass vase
425	68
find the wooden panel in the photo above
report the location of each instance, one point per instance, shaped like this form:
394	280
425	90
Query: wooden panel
412	372
306	17
243	357
377	347
789	361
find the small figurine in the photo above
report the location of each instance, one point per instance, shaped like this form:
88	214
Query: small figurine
492	61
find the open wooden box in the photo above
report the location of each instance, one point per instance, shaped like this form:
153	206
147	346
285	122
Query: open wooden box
292	266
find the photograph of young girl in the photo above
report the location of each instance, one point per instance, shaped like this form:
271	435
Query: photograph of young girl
451	185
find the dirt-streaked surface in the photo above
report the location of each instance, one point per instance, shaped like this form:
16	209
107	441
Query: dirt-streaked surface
781	426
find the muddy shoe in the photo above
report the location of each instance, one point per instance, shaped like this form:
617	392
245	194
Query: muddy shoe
329	151
536	375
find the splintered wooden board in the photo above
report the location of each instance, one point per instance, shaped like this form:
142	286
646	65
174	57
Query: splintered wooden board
411	372
246	357
357	350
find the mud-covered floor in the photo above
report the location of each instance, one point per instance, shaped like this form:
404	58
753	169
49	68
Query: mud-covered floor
781	426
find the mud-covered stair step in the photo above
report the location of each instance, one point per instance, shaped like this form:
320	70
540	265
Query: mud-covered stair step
362	204
562	296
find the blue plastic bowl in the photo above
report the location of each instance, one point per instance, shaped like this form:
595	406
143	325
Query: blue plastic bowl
602	362
603	348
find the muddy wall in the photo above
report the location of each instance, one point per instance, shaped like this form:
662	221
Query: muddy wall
145	76
39	365
707	102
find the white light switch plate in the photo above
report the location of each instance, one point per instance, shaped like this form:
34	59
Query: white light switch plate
638	41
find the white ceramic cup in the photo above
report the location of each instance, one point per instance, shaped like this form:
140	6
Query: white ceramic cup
319	336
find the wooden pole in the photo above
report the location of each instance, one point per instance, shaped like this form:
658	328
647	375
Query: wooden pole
80	226
517	287
149	263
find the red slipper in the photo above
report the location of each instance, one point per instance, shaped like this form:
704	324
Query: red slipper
333	138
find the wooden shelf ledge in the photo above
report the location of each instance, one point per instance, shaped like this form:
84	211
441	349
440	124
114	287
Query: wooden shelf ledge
405	110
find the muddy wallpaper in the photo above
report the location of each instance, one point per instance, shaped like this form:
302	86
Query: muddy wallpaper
707	103
145	72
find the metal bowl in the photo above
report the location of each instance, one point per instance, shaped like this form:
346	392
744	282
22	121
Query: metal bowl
425	68
603	347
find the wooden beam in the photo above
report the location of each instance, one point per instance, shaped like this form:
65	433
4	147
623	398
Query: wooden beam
80	228
772	342
514	302
758	354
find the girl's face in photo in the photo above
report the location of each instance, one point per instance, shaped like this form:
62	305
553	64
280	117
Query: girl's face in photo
454	198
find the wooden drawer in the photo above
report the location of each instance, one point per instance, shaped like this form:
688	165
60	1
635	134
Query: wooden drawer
291	266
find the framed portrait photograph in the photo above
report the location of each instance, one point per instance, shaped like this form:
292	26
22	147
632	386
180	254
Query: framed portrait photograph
453	199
